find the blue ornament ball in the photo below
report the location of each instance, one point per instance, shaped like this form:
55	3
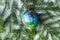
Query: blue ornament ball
30	19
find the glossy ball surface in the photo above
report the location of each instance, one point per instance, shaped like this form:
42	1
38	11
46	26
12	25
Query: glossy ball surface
30	19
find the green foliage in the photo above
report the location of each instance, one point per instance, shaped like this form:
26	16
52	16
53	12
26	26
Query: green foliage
12	28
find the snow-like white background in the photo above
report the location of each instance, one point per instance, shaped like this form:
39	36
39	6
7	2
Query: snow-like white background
19	4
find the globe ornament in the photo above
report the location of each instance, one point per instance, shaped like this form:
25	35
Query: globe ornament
30	19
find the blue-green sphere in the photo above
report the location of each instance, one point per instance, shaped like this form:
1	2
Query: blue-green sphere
30	19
